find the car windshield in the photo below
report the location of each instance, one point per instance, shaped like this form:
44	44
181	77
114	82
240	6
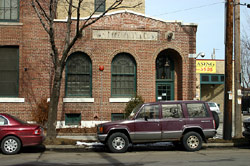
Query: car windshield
211	104
18	120
135	110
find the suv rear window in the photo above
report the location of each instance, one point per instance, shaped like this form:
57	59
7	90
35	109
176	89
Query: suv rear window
197	110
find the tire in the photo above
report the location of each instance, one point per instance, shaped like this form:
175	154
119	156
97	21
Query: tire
11	145
192	141
216	119
118	143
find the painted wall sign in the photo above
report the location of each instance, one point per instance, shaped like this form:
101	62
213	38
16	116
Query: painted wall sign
205	66
124	35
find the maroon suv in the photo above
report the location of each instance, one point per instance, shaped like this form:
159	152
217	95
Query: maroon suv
185	122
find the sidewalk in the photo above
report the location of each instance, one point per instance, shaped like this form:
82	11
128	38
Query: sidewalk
153	146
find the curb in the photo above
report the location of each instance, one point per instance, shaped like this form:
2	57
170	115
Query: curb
98	147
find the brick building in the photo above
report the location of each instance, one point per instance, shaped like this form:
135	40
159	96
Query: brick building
140	54
210	82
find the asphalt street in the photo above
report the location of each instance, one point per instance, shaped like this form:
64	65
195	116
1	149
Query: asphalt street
137	157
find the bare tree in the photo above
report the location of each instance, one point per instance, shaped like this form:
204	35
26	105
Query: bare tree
46	11
245	56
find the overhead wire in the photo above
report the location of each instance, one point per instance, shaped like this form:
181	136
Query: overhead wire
202	6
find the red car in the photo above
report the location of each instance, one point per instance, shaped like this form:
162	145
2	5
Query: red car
15	133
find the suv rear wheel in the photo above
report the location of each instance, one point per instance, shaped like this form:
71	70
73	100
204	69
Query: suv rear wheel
192	141
118	143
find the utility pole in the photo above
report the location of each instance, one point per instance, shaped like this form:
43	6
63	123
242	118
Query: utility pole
237	71
227	125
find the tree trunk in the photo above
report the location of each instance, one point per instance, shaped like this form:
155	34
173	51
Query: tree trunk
54	99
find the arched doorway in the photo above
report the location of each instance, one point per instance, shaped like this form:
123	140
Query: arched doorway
168	64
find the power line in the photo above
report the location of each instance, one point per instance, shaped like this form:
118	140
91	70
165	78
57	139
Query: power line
197	7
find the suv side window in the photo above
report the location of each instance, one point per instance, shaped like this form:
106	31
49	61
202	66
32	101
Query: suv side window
197	110
172	111
149	111
3	121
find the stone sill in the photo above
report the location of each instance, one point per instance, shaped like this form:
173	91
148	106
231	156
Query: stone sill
11	24
119	100
12	100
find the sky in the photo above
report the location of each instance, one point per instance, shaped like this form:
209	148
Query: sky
208	14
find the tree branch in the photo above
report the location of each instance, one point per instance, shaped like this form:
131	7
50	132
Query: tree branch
39	16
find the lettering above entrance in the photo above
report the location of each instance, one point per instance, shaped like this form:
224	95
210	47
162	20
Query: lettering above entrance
124	35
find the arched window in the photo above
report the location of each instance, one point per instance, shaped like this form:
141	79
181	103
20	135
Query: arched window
78	75
123	76
164	68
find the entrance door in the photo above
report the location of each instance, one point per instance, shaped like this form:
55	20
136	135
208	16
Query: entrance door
164	91
165	76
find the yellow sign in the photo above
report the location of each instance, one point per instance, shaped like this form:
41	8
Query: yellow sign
205	66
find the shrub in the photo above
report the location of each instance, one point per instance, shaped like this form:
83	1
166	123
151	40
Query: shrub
40	113
132	104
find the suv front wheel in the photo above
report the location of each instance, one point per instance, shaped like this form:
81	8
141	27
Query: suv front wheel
192	141
118	143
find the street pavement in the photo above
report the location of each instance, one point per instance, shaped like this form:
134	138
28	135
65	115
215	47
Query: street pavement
137	157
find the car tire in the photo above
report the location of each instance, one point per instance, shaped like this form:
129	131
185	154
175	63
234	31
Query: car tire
11	145
192	141
216	119
118	143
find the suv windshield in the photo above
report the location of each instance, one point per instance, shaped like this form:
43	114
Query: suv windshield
135	110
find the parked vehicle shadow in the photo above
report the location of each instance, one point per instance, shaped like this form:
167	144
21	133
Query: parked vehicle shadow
33	149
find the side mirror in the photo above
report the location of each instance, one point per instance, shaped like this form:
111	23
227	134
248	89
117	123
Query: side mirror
146	118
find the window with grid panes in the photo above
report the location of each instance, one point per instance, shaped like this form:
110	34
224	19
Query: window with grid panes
78	75
9	10
9	69
100	5
123	76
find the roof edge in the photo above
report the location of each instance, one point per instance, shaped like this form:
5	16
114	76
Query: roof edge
132	12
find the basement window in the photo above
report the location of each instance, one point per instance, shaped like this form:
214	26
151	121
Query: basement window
117	116
73	119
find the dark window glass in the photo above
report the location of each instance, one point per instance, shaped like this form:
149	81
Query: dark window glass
3	121
78	75
123	75
222	78
172	111
149	111
100	5
117	116
72	119
215	78
9	71
197	110
164	67
205	78
9	10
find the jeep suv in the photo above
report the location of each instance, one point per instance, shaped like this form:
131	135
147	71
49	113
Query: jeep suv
185	122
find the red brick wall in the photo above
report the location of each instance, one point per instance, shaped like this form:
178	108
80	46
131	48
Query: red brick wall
34	55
